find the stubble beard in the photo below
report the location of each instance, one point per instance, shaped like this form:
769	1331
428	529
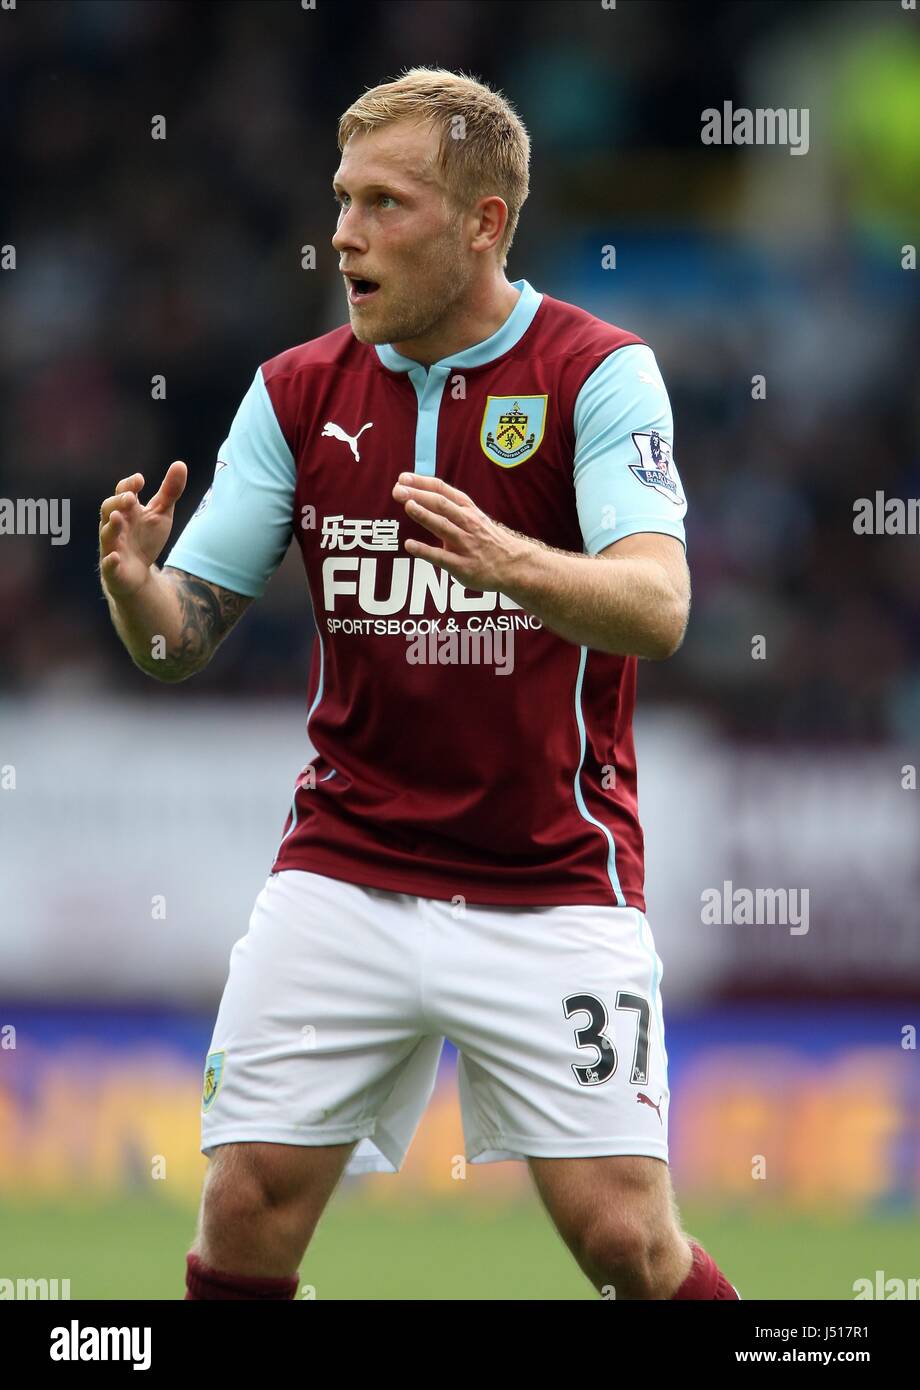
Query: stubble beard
416	315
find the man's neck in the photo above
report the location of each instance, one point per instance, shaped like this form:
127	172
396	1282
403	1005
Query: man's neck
475	323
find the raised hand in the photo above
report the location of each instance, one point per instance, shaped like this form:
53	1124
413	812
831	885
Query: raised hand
132	534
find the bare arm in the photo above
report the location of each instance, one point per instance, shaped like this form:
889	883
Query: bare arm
170	622
633	598
175	623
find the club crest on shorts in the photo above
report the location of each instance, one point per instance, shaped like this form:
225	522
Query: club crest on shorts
213	1076
656	466
512	428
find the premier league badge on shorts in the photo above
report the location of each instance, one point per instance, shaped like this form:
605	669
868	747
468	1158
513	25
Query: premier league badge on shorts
656	466
512	428
213	1076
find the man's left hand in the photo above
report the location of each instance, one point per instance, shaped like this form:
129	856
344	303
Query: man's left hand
480	553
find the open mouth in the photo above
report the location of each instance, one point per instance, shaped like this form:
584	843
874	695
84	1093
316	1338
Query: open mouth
361	290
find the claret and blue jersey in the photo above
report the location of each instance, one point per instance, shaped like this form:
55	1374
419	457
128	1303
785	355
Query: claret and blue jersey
435	779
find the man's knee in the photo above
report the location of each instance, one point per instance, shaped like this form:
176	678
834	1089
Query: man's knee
285	1185
247	1176
624	1228
258	1211
236	1192
612	1244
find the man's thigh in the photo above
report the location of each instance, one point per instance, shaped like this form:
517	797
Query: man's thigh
619	1219
261	1204
279	1175
623	1192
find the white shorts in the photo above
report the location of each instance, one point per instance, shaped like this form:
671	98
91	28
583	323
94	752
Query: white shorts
340	996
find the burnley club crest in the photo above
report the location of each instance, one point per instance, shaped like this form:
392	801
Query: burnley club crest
512	428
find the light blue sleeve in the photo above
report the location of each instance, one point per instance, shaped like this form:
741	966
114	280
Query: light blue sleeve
625	477
243	526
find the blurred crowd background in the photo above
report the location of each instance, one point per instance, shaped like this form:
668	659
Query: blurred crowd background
138	821
181	257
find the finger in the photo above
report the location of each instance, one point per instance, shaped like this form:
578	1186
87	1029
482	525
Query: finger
171	488
440	558
110	565
434	502
438	525
428	484
132	484
122	503
109	533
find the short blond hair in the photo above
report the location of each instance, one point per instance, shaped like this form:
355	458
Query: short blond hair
490	156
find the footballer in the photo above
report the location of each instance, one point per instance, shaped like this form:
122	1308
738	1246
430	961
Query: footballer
467	458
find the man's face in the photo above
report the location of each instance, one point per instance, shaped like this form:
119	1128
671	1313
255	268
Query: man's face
398	231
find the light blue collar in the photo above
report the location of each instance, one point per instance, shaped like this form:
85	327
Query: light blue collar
511	332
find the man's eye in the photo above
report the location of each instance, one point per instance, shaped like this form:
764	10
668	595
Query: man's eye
343	199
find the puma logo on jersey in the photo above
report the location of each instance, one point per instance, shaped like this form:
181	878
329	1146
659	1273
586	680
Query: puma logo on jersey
333	431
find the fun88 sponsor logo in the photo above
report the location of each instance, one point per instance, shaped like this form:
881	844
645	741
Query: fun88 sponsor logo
411	584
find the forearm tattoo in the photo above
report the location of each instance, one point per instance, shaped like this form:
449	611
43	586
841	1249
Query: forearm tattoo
208	614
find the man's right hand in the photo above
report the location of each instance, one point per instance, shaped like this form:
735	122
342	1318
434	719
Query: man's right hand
131	534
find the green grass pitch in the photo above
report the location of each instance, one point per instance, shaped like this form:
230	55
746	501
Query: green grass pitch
134	1248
